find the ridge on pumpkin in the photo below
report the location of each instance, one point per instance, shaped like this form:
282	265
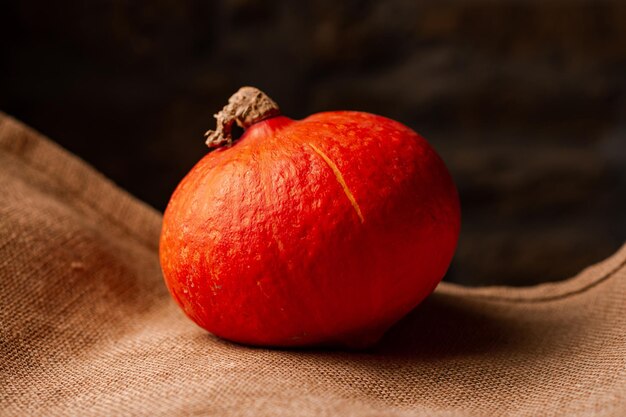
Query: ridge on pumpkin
340	180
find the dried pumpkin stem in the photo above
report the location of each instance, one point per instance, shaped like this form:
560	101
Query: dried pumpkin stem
246	107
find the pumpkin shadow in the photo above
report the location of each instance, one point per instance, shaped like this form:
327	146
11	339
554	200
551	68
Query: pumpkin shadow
448	325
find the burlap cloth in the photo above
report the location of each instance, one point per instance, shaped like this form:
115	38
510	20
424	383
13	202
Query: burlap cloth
87	327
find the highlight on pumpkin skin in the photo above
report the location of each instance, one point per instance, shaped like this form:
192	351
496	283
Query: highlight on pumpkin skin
340	180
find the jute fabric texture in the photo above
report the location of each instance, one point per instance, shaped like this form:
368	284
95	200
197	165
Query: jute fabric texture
87	327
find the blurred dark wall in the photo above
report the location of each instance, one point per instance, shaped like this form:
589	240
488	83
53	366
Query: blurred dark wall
524	100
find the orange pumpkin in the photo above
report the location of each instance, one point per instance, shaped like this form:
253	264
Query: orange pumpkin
325	230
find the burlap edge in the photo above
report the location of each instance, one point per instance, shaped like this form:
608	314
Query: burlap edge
585	280
106	199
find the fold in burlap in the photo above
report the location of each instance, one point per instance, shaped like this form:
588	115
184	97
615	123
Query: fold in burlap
87	327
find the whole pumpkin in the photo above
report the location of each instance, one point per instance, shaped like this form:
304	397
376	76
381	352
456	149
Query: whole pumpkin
321	231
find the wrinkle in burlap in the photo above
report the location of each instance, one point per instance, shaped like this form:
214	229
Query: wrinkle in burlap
87	327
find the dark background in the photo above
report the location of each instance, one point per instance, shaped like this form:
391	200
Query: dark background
525	100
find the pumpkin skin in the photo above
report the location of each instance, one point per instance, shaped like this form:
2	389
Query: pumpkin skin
323	231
